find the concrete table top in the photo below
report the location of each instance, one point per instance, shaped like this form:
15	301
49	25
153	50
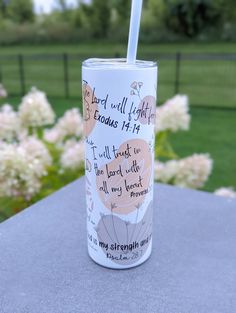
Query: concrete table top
44	266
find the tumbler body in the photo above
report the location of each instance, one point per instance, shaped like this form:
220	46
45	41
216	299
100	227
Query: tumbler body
119	112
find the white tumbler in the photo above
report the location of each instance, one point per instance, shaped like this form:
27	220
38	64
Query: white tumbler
119	111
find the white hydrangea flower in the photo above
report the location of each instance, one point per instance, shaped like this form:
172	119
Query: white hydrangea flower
9	123
70	143
73	155
165	172
225	192
7	108
70	124
173	115
3	91
53	135
35	110
36	150
193	171
190	172
21	167
17	176
3	144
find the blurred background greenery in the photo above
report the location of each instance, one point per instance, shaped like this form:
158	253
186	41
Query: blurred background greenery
163	20
193	40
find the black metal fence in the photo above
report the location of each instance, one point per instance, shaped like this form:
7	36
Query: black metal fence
208	79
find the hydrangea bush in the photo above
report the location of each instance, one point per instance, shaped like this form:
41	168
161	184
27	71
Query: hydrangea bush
192	171
36	160
39	154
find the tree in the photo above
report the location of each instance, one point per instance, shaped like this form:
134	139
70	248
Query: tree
64	9
20	10
190	17
157	7
62	4
228	10
122	8
98	14
3	8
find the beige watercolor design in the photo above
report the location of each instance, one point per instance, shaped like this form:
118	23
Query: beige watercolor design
151	116
89	109
130	184
123	242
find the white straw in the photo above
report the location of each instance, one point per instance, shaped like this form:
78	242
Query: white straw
135	18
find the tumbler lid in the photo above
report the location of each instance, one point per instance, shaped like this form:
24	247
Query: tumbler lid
117	64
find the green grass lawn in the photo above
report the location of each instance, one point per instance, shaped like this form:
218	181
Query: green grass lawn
207	82
100	48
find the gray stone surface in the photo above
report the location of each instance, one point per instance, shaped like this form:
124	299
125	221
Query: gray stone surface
44	266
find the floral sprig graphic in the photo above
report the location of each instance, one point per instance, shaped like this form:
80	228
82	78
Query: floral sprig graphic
138	206
113	206
136	87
